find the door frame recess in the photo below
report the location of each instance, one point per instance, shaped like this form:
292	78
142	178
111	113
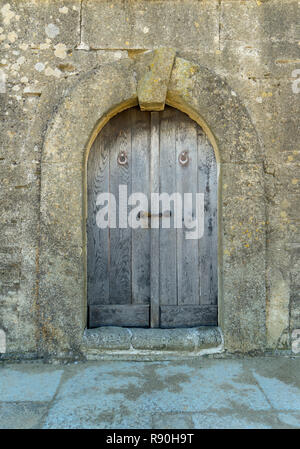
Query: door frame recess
169	296
83	110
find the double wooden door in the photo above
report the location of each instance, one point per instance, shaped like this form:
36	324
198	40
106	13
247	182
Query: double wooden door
151	275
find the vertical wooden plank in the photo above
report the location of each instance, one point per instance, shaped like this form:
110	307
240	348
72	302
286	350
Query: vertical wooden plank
208	244
120	238
186	181
141	183
155	250
97	239
168	289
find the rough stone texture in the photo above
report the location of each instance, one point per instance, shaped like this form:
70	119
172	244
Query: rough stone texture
247	51
152	88
166	340
107	338
151	24
144	341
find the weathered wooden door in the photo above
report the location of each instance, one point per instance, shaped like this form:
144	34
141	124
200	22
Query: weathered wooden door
152	275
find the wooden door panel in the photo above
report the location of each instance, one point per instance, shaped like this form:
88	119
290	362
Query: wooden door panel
188	316
118	258
126	315
152	277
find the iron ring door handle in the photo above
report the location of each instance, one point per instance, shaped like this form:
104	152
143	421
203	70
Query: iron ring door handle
122	158
183	158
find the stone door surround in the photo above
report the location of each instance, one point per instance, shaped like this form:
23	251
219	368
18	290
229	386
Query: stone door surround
152	79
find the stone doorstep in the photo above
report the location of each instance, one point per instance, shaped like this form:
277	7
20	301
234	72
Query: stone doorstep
152	343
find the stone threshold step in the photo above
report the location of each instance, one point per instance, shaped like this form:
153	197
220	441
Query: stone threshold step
151	343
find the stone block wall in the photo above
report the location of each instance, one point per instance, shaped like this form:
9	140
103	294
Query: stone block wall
253	44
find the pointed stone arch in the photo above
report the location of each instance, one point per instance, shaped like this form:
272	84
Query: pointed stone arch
83	110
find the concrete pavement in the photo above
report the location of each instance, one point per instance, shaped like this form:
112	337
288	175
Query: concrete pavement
198	393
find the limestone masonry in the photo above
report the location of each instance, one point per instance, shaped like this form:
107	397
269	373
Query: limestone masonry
68	66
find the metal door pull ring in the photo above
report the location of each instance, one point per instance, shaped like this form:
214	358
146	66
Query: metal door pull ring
183	158
122	158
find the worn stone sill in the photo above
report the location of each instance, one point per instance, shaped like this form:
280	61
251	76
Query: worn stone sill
151	344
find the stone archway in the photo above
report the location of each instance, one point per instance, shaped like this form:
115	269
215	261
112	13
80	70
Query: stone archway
82	112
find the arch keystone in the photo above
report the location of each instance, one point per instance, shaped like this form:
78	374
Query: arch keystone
152	87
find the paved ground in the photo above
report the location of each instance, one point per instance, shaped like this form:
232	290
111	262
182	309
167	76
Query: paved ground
203	393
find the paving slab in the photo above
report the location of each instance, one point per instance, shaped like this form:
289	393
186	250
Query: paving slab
136	389
290	419
173	421
29	383
197	393
281	395
214	420
22	415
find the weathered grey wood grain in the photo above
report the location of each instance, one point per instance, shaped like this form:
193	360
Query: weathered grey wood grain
120	239
187	182
140	169
126	315
97	240
155	250
208	245
168	263
188	316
